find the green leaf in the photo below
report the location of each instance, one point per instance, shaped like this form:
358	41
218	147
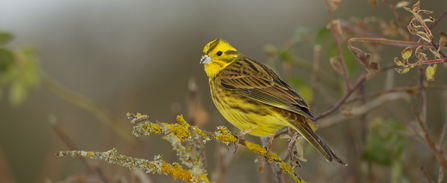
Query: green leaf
384	145
5	38
397	62
406	53
6	60
402	71
430	73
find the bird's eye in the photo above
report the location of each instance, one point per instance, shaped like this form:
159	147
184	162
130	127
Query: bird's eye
219	53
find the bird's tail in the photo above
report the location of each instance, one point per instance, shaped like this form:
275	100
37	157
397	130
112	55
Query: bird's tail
315	141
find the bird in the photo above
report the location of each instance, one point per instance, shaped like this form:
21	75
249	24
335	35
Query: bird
254	98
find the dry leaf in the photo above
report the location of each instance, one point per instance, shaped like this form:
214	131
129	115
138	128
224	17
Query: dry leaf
336	65
373	3
334	4
402	4
416	6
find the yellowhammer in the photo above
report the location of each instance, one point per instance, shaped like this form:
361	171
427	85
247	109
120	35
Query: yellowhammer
254	98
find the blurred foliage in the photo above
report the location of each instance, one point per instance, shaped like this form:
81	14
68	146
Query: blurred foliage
384	145
19	70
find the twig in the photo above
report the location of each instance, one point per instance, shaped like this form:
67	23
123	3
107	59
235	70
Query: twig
430	143
359	110
337	42
342	100
393	90
72	146
427	176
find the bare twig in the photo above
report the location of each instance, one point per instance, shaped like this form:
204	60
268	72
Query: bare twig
359	110
427	176
72	146
408	89
342	100
430	143
337	42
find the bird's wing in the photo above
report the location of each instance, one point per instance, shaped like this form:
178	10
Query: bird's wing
256	81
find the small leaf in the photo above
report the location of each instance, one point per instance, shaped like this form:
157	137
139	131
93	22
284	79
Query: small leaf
299	150
437	55
416	6
363	57
374	66
430	73
402	4
423	36
419	54
397	62
441	43
334	4
336	65
411	29
312	125
408	9
406	53
425	11
402	71
435	66
373	3
431	19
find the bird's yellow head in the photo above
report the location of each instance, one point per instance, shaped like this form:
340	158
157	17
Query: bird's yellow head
217	55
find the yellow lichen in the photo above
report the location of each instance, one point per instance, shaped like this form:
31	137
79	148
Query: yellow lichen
225	136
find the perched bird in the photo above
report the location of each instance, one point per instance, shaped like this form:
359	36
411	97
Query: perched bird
254	98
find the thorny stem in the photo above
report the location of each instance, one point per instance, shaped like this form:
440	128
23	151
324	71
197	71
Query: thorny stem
337	42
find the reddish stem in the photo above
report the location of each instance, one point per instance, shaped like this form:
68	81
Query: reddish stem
340	55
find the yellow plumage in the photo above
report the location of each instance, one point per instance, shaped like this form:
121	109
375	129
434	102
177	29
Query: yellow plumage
252	97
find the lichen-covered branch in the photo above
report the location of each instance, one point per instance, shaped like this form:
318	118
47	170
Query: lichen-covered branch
183	138
157	165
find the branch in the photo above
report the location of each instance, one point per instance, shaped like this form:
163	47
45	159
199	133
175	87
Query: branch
337	42
359	110
430	143
72	146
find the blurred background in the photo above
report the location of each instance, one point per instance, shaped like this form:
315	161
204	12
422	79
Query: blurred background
140	56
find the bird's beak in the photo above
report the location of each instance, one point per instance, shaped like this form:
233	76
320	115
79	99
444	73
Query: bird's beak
205	60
